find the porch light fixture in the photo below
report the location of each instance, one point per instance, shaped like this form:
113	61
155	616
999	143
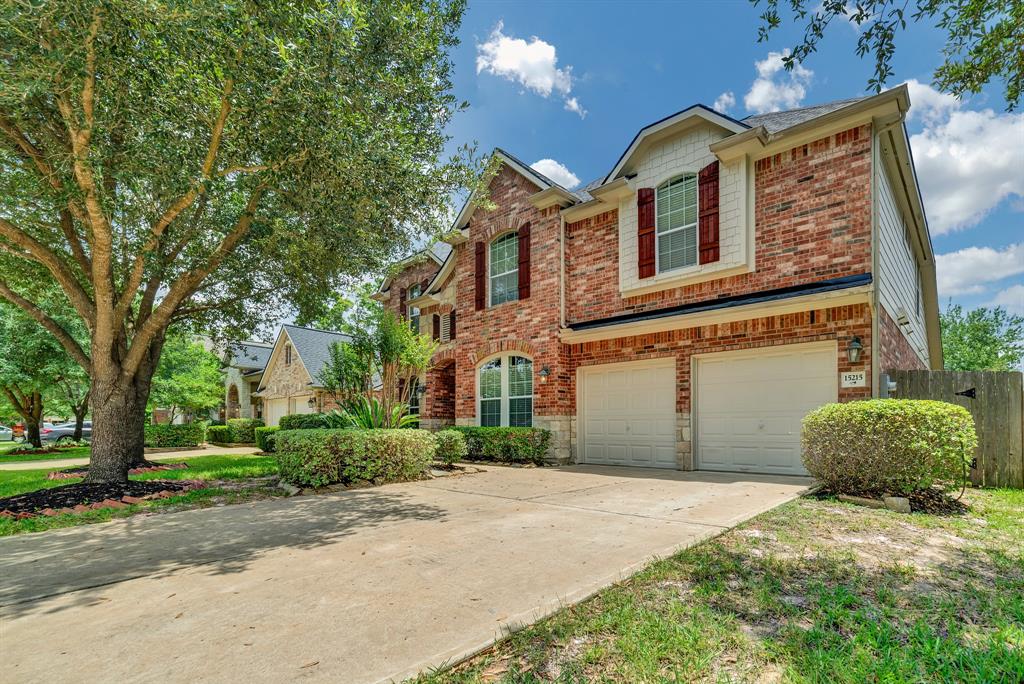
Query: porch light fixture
854	349
312	402
421	389
544	373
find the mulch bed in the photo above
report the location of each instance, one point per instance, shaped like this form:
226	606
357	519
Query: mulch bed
937	502
81	497
41	452
81	472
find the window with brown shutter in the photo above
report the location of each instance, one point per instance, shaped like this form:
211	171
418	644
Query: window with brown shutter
436	319
524	261
707	193
451	325
645	232
402	297
480	277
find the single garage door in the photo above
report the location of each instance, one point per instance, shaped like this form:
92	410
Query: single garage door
749	407
628	414
274	410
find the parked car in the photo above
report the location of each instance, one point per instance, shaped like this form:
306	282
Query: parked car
6	434
65	432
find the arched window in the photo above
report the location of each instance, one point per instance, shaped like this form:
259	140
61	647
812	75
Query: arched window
676	222
504	269
506	392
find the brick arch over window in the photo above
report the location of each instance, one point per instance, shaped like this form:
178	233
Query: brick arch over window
442	358
521	346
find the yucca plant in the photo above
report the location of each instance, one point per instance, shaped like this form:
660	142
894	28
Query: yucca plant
370	413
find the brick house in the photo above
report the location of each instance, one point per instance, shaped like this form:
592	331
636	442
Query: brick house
689	307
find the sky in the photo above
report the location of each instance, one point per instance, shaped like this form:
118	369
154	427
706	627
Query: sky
566	85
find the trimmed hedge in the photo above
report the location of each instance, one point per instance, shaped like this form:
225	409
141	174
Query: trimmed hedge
184	435
304	421
451	446
506	444
219	433
315	458
237	431
888	446
265	437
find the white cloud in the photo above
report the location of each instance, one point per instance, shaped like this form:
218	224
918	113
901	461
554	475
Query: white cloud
725	102
533	64
1011	299
557	172
967	161
775	88
966	271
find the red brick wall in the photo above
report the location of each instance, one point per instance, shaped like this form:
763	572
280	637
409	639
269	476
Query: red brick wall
894	351
530	325
812	222
838	323
421	271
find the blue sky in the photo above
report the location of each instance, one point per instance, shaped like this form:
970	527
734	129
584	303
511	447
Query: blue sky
571	82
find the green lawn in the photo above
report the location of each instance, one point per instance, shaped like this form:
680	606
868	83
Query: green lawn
231	467
814	591
71	452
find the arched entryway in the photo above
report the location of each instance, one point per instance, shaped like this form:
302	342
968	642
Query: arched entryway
233	408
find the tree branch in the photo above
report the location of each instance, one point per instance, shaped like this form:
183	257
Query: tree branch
67	341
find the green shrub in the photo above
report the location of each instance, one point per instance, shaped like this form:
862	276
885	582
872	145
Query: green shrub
265	438
184	435
243	429
220	434
888	446
506	444
320	457
304	421
451	446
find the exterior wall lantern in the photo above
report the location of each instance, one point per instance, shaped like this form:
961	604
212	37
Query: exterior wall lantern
854	349
544	373
421	389
312	402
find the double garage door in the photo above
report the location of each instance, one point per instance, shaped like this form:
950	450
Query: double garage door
747	409
275	409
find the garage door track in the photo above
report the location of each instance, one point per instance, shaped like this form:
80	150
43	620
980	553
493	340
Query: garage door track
360	586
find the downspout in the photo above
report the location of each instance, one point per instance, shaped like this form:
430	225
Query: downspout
561	271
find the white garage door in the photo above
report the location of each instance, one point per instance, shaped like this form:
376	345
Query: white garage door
274	409
628	414
749	407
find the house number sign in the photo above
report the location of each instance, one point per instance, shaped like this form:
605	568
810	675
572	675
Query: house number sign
853	379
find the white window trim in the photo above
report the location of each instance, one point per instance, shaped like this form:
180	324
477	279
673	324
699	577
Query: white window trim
694	225
413	293
505	397
492	276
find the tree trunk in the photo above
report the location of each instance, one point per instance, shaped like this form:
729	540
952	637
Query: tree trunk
79	419
32	434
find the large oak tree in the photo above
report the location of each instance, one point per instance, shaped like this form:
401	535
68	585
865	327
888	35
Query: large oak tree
196	163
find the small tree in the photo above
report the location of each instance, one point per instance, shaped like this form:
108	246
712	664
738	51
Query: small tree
981	339
187	379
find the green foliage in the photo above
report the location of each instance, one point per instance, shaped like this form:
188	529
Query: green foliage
184	435
316	458
219	434
370	413
506	444
888	446
451	446
237	431
265	438
303	421
981	339
983	37
187	378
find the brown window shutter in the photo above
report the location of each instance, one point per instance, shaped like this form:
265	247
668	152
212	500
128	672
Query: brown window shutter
451	325
707	217
645	231
524	261
437	327
402	297
480	277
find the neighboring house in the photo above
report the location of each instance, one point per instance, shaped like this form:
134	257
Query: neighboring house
243	369
687	309
290	382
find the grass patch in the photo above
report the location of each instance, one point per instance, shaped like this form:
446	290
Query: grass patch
814	591
70	452
216	469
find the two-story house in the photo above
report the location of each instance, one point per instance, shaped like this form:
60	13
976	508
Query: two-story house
689	307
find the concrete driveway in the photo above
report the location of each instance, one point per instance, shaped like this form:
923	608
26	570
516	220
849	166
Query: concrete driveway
361	586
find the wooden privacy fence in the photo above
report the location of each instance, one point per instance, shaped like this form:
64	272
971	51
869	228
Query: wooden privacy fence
995	401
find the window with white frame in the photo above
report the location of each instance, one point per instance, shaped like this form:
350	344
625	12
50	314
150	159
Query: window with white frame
506	392
414	311
676	223
504	269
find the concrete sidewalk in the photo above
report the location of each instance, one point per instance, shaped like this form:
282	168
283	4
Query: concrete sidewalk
163	456
362	586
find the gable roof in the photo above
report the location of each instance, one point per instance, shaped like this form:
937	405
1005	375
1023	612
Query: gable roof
313	346
774	122
438	251
248	355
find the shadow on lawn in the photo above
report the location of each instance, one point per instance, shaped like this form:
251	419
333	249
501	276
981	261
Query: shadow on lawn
218	540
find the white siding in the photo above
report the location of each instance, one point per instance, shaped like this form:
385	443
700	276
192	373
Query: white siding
899	282
687	152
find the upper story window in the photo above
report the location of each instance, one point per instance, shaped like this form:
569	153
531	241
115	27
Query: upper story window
676	223
414	311
504	269
506	392
287	354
